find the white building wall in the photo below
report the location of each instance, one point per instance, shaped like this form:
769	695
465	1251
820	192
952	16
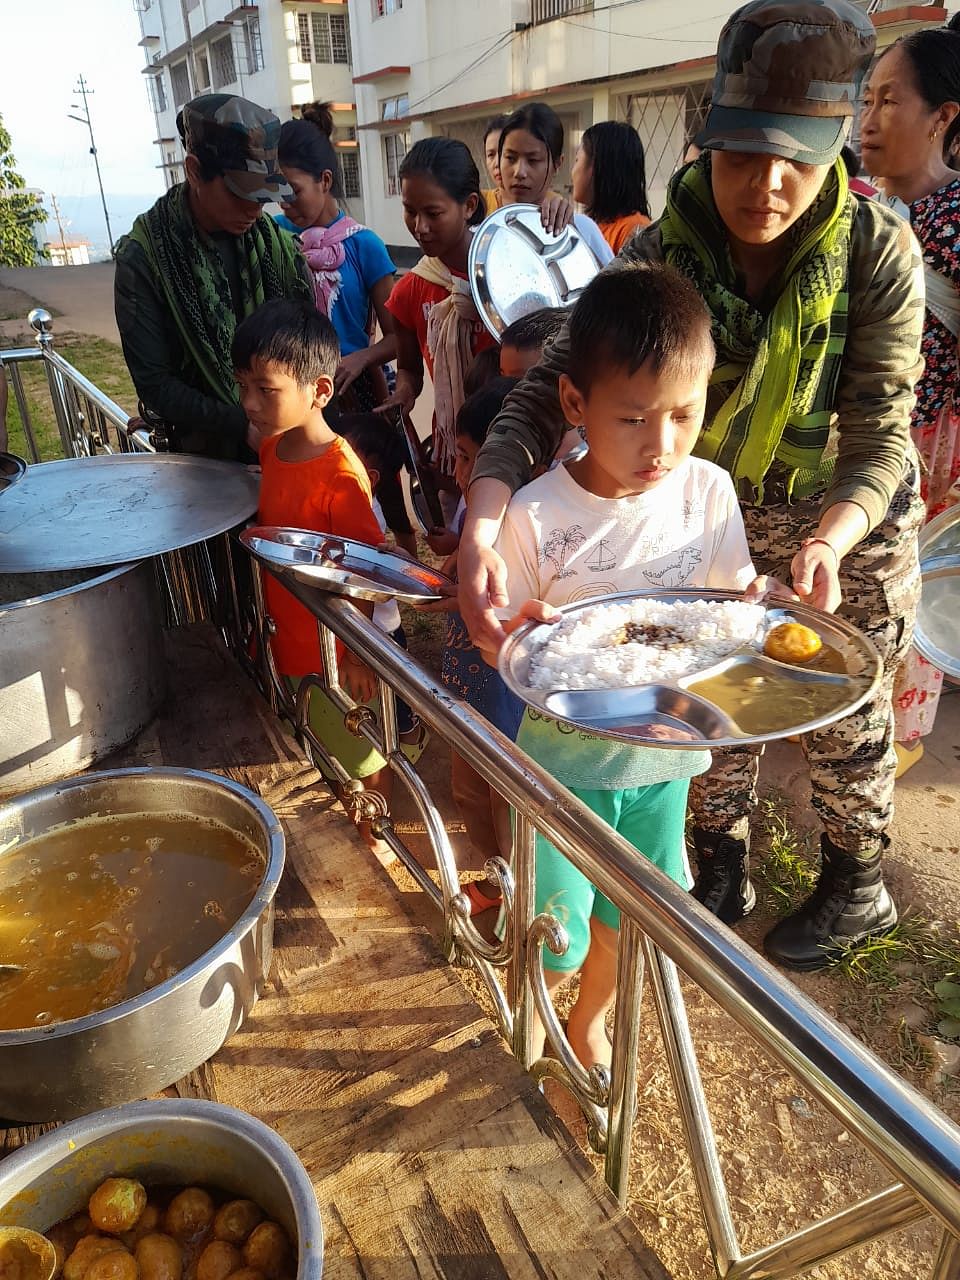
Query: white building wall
284	83
646	61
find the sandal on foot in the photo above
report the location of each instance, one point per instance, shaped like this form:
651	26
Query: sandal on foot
479	902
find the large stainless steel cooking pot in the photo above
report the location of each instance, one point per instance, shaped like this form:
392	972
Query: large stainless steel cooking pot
169	1142
139	1047
81	668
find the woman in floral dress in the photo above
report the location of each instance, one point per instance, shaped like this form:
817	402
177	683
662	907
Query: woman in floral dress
910	123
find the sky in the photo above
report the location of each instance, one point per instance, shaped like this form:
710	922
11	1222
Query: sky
44	45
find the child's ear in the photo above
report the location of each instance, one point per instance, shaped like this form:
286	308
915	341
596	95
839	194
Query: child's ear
322	392
373	476
572	402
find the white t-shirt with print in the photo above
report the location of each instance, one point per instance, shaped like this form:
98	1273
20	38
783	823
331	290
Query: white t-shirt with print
562	544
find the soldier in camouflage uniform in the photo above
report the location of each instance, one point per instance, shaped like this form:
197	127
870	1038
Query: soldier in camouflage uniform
817	302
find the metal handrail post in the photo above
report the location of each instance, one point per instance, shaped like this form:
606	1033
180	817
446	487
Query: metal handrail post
622	1108
947	1265
694	1115
26	422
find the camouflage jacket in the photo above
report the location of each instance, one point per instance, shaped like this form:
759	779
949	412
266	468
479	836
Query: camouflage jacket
871	403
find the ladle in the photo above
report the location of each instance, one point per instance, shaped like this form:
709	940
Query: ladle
26	1255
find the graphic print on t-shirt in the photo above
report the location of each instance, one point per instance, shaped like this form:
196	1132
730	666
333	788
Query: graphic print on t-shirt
560	544
678	572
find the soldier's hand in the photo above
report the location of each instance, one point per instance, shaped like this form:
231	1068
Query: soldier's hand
815	570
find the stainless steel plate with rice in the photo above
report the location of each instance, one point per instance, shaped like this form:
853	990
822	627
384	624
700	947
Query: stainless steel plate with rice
343	566
686	669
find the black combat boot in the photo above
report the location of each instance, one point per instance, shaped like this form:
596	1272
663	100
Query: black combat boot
850	903
723	875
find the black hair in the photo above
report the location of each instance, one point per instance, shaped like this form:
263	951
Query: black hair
448	163
535	329
935	61
619	171
484	367
494	125
479	410
378	444
644	313
954	23
291	334
540	120
307	144
851	160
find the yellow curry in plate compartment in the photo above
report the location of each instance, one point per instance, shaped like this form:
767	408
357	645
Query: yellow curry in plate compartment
99	911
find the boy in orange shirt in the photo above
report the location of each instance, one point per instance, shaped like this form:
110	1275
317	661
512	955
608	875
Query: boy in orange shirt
285	356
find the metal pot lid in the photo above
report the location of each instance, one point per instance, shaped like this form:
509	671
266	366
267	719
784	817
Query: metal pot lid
937	631
516	267
12	470
83	512
941	537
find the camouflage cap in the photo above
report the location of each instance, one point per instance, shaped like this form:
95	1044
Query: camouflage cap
788	77
243	137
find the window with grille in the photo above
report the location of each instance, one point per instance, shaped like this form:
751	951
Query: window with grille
223	62
324	37
395	147
157	93
180	83
395	108
382	7
350	165
667	122
547	10
253	44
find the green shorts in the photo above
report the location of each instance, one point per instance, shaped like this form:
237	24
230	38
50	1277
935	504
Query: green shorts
652	819
357	756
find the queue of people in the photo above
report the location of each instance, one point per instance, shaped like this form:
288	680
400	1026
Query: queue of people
775	356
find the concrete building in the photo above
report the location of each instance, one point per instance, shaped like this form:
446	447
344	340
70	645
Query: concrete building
425	67
279	53
68	253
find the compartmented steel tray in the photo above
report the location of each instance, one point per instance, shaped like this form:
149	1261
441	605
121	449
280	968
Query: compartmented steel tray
678	714
516	266
343	566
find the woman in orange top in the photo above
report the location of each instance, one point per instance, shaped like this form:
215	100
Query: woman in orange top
610	181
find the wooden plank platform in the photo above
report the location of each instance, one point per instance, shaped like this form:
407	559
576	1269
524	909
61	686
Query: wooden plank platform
431	1151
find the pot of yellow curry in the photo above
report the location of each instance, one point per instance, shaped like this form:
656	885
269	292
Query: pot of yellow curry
136	923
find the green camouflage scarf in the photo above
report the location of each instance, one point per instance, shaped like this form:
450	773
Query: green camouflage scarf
771	396
191	277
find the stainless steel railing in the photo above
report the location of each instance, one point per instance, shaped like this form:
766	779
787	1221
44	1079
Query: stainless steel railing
88	421
662	929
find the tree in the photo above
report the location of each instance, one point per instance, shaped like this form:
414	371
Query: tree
20	211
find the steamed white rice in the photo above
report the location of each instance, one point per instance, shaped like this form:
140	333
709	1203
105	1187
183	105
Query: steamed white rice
585	651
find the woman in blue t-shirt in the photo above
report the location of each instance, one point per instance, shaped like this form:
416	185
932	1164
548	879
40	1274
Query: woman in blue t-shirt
352	271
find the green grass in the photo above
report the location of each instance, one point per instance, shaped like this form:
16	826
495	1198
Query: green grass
100	361
787	864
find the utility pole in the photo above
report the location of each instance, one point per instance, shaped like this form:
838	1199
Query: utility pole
84	92
56	214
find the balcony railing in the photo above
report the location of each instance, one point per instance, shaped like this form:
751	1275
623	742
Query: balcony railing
547	10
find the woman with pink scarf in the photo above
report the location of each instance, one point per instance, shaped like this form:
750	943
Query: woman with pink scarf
352	271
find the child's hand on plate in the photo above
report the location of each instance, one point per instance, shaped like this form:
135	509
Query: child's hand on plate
529	611
767	587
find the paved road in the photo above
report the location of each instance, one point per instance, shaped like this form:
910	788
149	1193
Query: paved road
83	296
